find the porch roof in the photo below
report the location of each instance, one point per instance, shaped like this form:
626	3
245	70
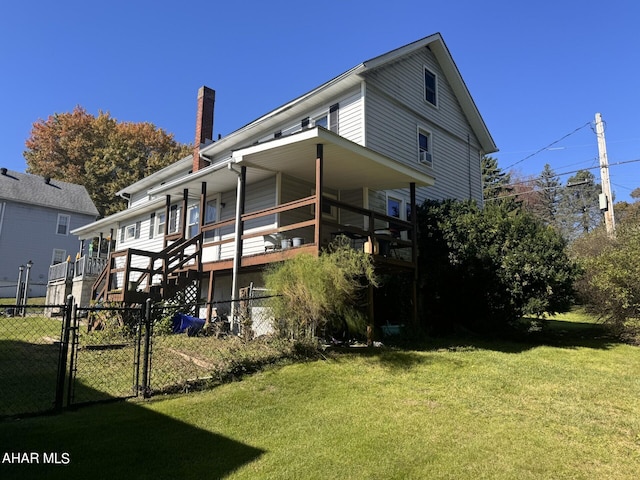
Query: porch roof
347	165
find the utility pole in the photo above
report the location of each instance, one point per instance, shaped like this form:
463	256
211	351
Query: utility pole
606	200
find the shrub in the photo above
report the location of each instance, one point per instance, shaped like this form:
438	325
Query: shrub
112	323
609	285
317	291
485	268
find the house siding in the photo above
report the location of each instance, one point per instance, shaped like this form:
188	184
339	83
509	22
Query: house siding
350	121
351	118
25	230
396	109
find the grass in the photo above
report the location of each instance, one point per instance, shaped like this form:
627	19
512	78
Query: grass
28	363
11	301
563	406
105	362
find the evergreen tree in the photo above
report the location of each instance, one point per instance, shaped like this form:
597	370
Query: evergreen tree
495	182
549	191
579	208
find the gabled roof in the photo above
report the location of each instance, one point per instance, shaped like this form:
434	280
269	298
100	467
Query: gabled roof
441	52
354	77
35	190
327	91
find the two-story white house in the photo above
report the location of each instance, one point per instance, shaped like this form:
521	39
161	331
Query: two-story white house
353	156
37	215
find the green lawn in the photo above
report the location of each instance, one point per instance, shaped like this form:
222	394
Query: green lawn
564	407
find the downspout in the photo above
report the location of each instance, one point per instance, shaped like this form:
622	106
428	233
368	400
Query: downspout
2	209
469	160
237	255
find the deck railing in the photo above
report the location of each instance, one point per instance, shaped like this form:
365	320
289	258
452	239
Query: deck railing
60	271
89	266
390	239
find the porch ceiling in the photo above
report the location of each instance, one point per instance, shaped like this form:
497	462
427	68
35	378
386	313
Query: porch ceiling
347	165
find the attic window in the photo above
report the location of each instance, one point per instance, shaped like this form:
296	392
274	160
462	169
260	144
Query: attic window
430	87
63	224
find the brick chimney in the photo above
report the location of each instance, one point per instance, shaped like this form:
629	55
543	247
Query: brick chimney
204	125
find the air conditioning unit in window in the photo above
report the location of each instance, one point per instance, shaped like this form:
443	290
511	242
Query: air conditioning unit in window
425	157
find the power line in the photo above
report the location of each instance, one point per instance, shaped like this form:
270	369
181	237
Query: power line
545	148
533	179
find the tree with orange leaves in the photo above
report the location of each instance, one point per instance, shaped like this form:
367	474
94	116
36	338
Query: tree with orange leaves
99	152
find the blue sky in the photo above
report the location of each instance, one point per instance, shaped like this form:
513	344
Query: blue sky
537	70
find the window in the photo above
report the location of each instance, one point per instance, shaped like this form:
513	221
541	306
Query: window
430	87
328	211
211	216
321	121
58	256
130	232
328	120
394	207
162	220
63	224
425	155
152	221
193	224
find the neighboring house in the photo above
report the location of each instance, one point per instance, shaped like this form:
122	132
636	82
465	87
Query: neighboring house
376	141
37	215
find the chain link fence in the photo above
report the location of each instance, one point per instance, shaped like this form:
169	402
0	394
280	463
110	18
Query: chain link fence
30	349
62	355
189	353
105	360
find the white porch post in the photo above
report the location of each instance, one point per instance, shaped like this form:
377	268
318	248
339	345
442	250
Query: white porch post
237	256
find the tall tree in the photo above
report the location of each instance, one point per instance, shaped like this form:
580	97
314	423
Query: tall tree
99	152
629	213
523	190
579	208
549	191
495	182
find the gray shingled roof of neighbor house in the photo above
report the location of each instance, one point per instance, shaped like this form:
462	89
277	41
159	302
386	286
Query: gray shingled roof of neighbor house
37	190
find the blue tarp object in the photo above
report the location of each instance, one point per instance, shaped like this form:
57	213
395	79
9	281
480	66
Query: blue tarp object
181	323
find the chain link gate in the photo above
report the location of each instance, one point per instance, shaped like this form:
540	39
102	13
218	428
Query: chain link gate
109	353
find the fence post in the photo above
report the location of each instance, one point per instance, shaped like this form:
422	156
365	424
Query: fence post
146	358
64	353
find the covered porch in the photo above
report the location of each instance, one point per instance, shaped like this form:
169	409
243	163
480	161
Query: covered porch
312	187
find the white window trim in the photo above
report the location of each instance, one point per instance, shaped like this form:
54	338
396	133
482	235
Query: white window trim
323	116
429	161
127	229
159	225
53	256
424	87
68	224
402	208
218	199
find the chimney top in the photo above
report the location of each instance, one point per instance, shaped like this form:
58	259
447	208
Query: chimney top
3	171
204	124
